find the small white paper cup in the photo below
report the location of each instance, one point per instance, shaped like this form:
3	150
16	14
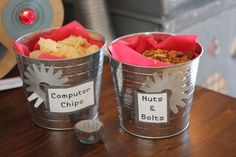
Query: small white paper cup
89	131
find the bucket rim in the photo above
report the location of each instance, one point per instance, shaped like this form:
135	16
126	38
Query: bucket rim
153	67
59	60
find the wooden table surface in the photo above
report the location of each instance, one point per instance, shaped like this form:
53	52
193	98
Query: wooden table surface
212	130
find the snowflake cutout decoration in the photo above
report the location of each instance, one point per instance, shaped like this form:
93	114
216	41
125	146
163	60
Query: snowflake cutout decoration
119	76
176	83
38	76
119	83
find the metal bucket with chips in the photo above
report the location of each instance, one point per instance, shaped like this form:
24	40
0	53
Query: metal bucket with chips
154	102
64	91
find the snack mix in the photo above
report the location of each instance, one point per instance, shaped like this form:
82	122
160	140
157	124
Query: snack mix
71	47
172	57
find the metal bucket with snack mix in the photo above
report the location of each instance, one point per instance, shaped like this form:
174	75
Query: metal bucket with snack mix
154	102
61	92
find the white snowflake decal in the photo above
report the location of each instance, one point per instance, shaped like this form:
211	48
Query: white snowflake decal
176	83
37	76
119	76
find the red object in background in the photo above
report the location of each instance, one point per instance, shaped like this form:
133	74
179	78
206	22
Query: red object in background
28	16
214	47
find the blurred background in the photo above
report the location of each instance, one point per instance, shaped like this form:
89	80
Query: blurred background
212	20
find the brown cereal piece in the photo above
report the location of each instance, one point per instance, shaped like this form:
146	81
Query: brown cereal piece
172	57
160	55
179	53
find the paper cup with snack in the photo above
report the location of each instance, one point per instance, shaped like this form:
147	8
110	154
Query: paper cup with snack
61	70
154	75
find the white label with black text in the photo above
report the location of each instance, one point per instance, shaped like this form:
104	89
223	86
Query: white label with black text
63	100
152	108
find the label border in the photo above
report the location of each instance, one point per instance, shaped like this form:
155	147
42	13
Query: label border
62	87
136	107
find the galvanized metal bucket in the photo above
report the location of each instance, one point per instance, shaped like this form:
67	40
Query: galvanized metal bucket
154	102
61	92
